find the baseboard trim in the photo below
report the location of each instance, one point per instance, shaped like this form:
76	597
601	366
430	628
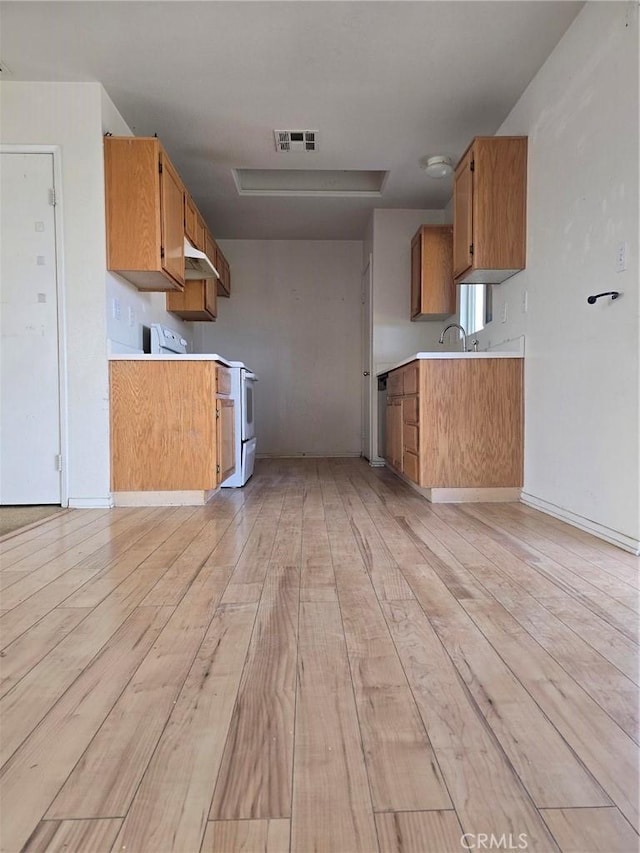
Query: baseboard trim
439	495
332	455
185	497
614	537
90	503
502	494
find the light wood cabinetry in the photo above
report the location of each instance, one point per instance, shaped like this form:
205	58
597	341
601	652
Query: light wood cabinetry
191	222
461	423
490	210
171	429
144	214
432	288
148	214
226	438
224	283
394	432
198	301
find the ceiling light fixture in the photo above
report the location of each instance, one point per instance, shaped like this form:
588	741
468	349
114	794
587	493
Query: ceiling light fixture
437	166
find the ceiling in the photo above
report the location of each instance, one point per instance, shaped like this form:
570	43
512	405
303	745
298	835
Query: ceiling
384	83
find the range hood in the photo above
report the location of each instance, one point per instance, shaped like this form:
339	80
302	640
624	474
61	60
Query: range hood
196	264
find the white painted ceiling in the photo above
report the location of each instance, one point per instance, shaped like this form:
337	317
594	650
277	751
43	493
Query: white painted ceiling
385	83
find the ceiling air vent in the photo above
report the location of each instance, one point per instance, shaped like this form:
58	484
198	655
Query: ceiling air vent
296	140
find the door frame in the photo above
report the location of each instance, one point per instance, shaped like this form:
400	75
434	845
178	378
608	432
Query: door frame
58	217
366	288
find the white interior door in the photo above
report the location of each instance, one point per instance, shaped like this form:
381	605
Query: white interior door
29	355
367	379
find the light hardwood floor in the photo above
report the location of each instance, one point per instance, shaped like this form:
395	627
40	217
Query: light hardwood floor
321	661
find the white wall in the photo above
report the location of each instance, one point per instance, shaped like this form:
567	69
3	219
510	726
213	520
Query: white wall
394	335
582	456
69	115
137	308
294	318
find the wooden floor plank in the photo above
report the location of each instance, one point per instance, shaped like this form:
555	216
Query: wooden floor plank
255	776
27	703
166	542
591	548
604	683
121	750
25	652
73	836
407	657
419	832
247	836
486	792
170	808
538	546
402	769
607	752
600	635
591	830
88	541
24	615
541	758
332	808
43	537
379	562
35	772
176	581
544	578
317	580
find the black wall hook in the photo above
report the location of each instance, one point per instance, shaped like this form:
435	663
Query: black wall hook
614	294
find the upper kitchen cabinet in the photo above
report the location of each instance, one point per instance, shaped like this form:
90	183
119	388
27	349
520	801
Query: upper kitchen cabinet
490	210
198	301
224	282
144	214
432	287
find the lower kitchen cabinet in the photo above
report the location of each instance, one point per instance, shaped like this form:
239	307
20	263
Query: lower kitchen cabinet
226	438
457	423
394	432
171	430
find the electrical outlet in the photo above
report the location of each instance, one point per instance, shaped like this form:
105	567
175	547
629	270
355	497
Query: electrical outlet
621	257
504	313
132	316
116	309
525	302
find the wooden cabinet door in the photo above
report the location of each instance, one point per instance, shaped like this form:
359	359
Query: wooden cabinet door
190	219
224	285
201	230
463	216
416	275
394	434
172	220
226	439
210	297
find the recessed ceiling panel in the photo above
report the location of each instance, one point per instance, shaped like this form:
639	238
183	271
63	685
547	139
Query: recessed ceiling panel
310	182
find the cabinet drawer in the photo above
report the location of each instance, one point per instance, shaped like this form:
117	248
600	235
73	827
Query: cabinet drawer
410	438
223	380
394	383
410	377
410	410
411	466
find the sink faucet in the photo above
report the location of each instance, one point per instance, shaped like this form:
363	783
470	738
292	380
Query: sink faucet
454	326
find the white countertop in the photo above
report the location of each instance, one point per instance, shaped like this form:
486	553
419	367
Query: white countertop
449	355
190	356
